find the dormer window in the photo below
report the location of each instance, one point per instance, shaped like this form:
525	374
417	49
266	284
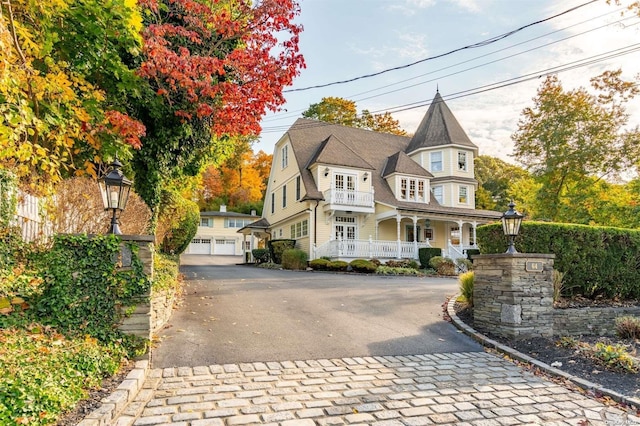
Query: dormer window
412	190
462	161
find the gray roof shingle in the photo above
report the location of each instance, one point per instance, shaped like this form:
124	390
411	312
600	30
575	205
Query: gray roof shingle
439	127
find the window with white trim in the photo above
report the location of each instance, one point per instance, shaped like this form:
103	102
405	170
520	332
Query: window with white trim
300	229
297	188
429	234
463	194
462	161
438	193
206	222
412	190
284	196
285	156
234	222
273	202
436	161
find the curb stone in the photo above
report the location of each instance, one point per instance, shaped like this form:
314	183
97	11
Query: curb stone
113	405
490	343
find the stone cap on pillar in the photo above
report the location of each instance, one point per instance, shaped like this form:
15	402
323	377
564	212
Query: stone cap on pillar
514	255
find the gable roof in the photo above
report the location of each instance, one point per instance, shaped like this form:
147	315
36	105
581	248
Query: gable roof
308	137
333	151
439	127
228	214
402	163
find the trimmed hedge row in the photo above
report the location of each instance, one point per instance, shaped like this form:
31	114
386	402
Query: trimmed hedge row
596	260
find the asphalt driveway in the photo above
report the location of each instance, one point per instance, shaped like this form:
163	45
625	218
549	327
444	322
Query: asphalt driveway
233	313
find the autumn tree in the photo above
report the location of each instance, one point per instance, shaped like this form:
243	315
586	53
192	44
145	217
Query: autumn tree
213	69
343	111
571	139
56	115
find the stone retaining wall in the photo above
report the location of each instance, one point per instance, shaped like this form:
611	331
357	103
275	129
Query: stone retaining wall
590	321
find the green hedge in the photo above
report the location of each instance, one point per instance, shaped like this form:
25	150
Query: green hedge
184	217
426	253
277	247
260	255
363	265
597	261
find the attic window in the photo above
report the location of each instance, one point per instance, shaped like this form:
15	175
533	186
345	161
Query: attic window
462	161
285	156
436	161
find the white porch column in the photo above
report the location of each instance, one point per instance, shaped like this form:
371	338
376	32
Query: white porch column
340	245
415	236
398	219
475	225
244	251
460	223
370	248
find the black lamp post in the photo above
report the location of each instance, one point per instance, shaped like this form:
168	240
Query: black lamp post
511	221
114	187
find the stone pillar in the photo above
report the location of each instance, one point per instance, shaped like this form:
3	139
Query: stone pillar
140	321
513	294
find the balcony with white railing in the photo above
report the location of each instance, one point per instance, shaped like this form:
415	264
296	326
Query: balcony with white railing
343	199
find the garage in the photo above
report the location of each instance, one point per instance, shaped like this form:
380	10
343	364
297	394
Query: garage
225	247
200	246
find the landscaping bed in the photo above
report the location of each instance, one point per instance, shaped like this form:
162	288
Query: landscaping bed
560	353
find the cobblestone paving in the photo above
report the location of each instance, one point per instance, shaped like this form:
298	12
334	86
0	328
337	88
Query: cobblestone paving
458	389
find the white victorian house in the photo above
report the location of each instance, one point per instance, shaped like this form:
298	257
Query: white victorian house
349	193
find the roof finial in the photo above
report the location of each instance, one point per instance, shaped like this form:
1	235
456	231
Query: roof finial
437	88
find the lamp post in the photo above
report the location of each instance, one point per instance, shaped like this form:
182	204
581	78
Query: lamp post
511	221
114	187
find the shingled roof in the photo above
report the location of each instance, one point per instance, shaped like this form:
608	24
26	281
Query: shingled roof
402	163
439	127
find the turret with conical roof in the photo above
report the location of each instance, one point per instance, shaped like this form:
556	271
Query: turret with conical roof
439	127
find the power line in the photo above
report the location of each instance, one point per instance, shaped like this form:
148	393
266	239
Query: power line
289	114
471	46
497	85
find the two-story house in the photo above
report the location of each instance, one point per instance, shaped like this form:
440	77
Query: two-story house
218	234
350	193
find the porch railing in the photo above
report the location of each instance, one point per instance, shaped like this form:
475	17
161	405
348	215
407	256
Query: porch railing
457	251
370	249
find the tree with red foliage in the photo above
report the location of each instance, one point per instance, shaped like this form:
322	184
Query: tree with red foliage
214	69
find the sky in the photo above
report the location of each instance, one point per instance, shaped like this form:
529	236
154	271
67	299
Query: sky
346	39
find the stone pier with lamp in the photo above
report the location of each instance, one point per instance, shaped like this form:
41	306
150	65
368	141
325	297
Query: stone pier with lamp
513	292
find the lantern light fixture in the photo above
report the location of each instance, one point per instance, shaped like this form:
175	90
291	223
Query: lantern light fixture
511	221
114	188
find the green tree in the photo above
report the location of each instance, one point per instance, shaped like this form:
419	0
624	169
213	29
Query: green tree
570	138
343	111
495	178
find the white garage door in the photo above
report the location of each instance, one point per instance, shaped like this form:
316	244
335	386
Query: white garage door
225	247
200	246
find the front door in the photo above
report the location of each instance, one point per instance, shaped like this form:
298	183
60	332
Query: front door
345	229
345	186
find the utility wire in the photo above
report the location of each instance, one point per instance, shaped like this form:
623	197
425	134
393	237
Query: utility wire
471	46
289	114
498	85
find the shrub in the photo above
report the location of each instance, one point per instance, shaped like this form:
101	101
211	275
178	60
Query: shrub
426	253
443	265
277	247
615	357
294	259
402	263
628	327
165	271
466	286
376	262
362	265
337	265
463	265
319	264
260	255
391	270
597	260
177	223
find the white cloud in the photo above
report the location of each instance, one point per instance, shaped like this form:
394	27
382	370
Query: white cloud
467	5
